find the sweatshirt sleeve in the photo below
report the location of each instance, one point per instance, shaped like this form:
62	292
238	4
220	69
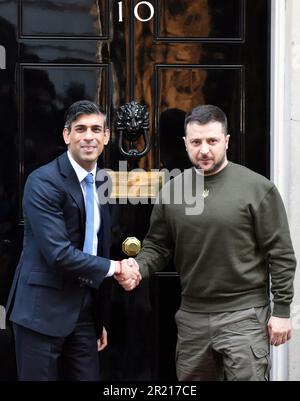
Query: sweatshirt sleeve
157	247
274	239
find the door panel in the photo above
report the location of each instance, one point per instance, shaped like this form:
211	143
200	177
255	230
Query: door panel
200	19
182	87
45	92
64	18
191	52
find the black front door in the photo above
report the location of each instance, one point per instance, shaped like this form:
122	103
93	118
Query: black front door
169	55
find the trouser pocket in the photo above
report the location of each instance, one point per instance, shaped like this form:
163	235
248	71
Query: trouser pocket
261	362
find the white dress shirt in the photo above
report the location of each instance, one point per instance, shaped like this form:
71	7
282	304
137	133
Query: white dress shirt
81	174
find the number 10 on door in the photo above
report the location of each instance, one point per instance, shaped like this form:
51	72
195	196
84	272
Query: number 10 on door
136	11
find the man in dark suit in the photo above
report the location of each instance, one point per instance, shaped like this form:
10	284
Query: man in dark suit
54	300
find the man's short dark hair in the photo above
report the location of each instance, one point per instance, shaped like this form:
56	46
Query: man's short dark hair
82	107
206	114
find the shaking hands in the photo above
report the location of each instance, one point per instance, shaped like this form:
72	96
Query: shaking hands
128	274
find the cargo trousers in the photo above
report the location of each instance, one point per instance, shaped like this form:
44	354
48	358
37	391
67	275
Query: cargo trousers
230	346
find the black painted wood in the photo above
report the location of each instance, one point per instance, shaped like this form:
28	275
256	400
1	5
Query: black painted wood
191	52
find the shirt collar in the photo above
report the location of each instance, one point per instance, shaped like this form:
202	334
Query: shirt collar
80	171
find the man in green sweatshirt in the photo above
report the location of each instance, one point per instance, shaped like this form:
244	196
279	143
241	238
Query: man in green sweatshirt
226	257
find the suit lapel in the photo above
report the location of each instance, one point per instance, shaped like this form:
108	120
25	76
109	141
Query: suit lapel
72	184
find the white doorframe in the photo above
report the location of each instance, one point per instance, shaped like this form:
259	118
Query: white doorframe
279	140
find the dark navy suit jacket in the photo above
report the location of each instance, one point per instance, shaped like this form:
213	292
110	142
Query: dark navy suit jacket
50	279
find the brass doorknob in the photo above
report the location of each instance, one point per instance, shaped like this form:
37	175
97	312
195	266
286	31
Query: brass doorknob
131	246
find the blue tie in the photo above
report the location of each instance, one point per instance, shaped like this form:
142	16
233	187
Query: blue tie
89	209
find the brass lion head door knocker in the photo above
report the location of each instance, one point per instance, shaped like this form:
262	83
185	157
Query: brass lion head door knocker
132	122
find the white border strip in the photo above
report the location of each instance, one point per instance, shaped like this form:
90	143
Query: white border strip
279	141
279	134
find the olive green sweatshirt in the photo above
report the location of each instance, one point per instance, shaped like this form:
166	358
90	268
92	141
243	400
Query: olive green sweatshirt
226	254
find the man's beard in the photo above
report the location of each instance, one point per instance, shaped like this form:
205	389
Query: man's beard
215	167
